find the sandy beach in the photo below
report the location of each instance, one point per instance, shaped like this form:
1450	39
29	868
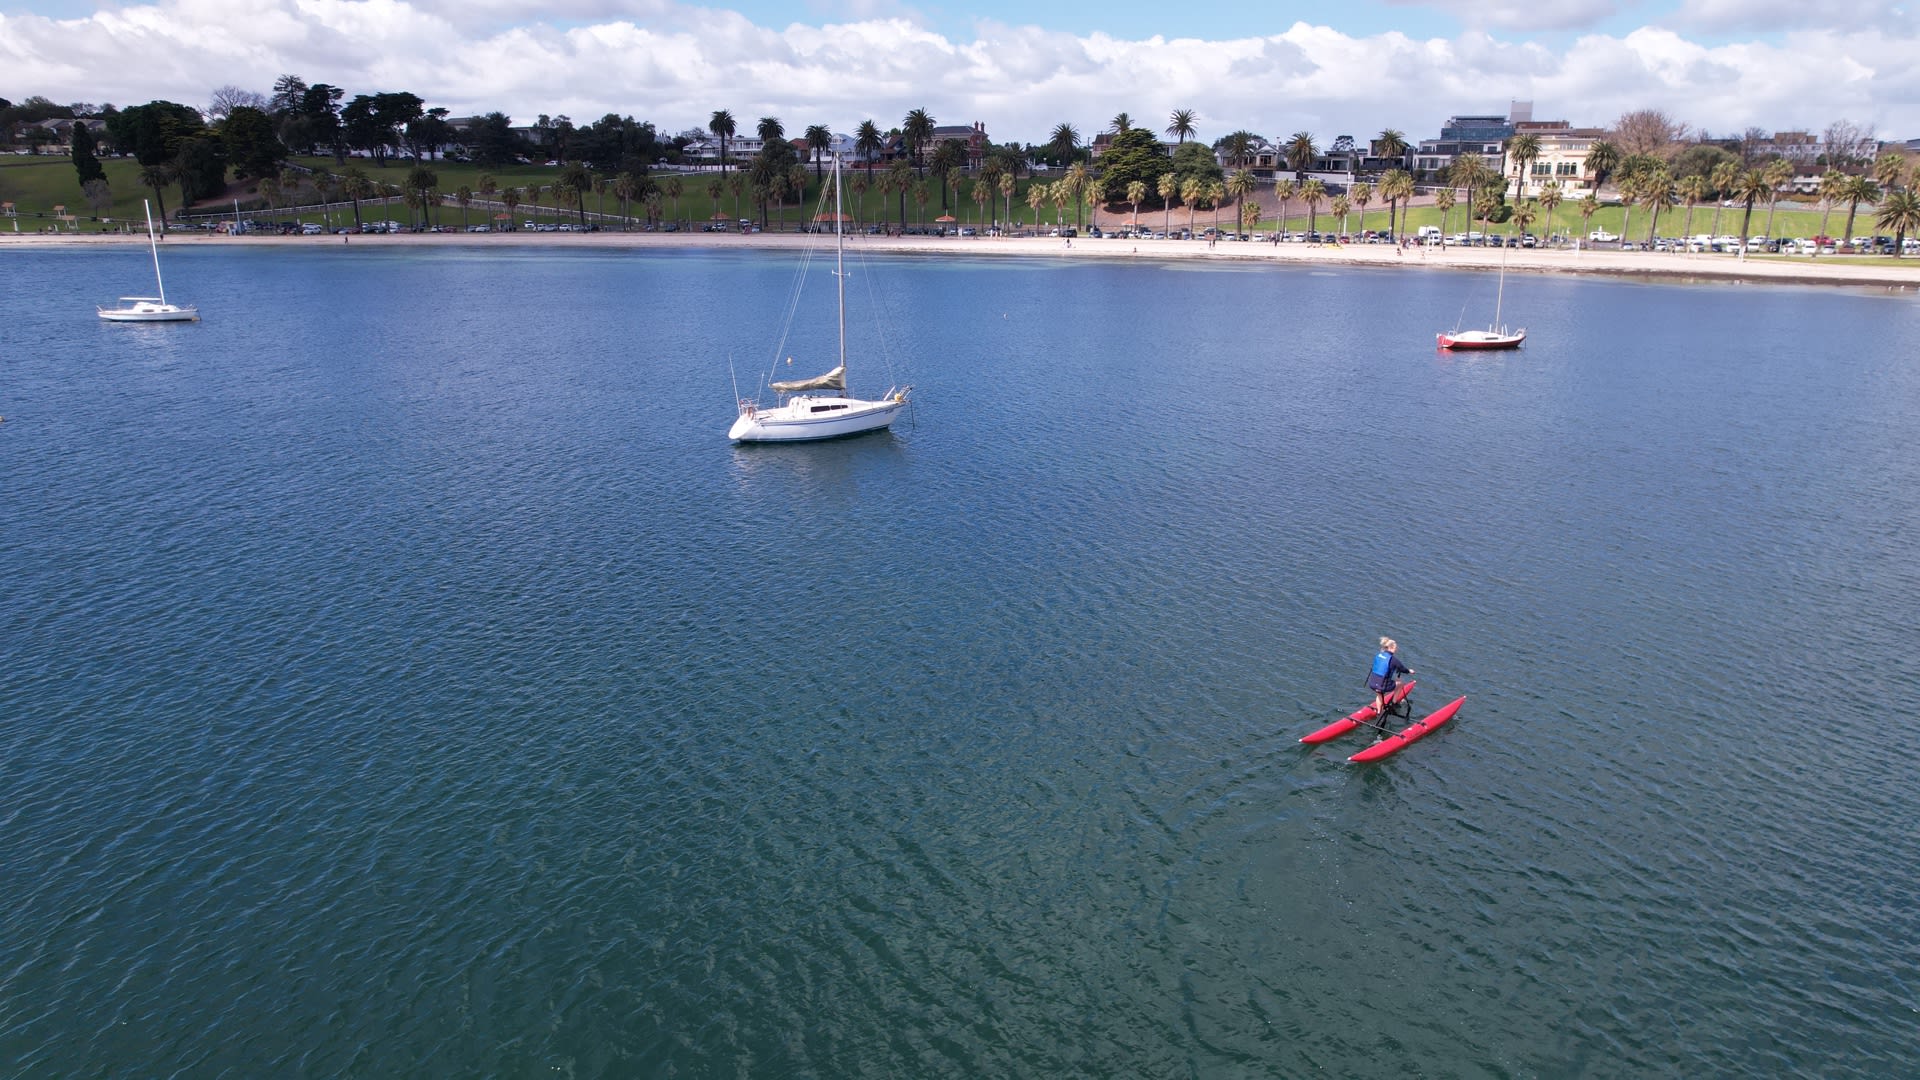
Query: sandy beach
1823	270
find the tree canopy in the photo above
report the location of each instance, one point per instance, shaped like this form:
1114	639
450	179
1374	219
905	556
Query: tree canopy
1135	154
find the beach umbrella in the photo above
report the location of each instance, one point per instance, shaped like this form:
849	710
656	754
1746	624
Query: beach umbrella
945	217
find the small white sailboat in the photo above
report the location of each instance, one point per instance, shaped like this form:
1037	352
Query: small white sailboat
807	409
151	308
1496	335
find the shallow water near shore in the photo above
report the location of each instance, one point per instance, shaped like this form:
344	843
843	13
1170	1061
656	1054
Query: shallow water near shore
405	677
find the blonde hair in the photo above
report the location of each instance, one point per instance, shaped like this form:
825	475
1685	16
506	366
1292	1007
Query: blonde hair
1386	643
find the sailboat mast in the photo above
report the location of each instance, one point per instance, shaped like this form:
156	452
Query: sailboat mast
1500	294
155	246
839	261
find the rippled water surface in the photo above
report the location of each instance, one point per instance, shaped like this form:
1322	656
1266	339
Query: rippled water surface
403	676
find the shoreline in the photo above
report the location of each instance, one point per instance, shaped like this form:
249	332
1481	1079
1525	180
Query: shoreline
1662	266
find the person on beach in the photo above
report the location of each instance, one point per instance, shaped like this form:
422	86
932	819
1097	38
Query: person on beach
1381	680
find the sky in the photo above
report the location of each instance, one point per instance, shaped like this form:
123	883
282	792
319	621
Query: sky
1020	67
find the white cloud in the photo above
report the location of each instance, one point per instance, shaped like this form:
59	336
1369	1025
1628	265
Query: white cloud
1525	14
1765	16
674	64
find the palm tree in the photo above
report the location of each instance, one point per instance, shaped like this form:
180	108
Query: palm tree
1121	124
1523	216
1656	192
575	181
1136	194
1443	202
356	185
1859	189
770	129
1900	212
868	142
1523	150
1300	154
722	126
1340	207
1550	196
1058	193
1284	189
1627	184
1168	187
1238	147
1750	188
1778	173
1360	195
819	138
1007	183
982	193
1078	183
948	159
1602	158
1397	188
1192	190
1313	193
1833	187
1391	144
736	187
1692	189
626	188
916	131
1180	125
1240	185
1470	173
858	186
1588	206
1485	205
1724	177
900	182
1036	198
464	196
510	198
672	189
1063	143
1888	170
488	187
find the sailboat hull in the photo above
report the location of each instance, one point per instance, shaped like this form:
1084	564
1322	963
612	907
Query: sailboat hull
1481	339
808	419
150	311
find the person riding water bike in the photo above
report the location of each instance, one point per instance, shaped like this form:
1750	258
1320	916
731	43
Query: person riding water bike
1381	680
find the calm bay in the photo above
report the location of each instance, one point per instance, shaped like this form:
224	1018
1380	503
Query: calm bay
404	676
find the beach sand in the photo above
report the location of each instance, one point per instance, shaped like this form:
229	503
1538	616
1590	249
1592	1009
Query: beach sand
1824	270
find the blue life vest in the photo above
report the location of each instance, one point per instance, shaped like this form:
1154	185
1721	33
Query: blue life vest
1383	664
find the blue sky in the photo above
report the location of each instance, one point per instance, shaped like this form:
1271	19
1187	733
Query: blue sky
1019	67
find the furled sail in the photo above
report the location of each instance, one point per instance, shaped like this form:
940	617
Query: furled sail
832	380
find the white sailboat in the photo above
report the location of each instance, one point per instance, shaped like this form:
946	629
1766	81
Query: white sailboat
807	408
1496	335
151	308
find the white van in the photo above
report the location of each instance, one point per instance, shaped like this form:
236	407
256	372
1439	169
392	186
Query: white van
1429	234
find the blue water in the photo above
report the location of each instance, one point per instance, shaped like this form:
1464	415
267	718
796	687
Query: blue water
403	675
